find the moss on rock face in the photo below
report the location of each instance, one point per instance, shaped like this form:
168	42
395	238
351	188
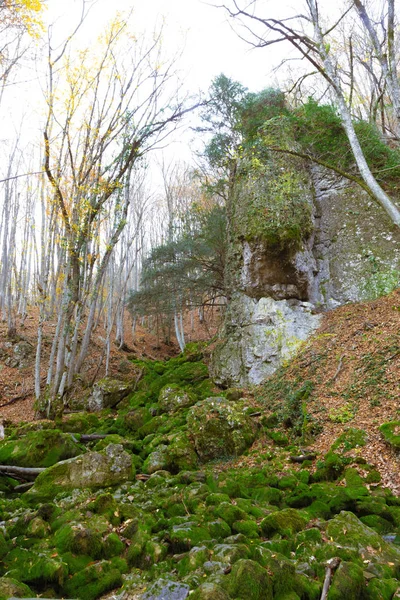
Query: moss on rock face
220	428
249	581
41	448
94	469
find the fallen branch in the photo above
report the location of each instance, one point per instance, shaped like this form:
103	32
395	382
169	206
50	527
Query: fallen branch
331	565
90	437
24	471
23	487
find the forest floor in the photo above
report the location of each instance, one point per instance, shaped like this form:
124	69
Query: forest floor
352	362
17	380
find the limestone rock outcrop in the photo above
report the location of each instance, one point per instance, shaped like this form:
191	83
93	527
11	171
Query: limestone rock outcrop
350	251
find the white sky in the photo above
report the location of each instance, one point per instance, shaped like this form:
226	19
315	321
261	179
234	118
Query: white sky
196	28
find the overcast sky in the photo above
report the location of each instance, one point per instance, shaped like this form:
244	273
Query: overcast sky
198	30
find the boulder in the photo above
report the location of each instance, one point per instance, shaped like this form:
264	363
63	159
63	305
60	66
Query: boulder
220	428
172	398
90	470
107	393
249	580
163	589
41	448
10	587
258	336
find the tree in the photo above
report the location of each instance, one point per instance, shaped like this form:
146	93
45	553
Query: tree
313	40
107	109
186	272
16	20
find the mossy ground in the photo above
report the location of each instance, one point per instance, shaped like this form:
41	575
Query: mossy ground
255	525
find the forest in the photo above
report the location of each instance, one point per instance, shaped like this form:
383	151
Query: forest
199	355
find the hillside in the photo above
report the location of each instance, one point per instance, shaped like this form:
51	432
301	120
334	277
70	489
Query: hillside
185	490
352	366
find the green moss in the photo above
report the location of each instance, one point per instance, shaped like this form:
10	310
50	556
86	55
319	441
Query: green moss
38	528
230	513
80	423
248	528
187	535
348	582
112	546
391	433
330	468
351	438
219	529
286	522
41	448
3	545
36	567
93	581
105	504
382	589
249	581
279	438
209	591
373	477
76	562
11	588
377	523
79	539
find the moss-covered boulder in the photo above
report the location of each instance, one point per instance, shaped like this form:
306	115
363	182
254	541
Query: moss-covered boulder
187	535
391	433
41	448
156	461
93	581
172	398
181	455
107	393
91	470
348	582
11	588
249	581
220	428
36	566
347	530
285	522
164	589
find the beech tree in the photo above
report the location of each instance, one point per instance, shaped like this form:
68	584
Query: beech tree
313	38
107	107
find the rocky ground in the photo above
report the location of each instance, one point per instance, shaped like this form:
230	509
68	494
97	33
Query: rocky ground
185	490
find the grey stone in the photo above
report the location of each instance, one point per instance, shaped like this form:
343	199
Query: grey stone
259	336
107	393
163	589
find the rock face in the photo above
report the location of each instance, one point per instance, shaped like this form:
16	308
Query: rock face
107	393
258	337
350	252
220	428
93	469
